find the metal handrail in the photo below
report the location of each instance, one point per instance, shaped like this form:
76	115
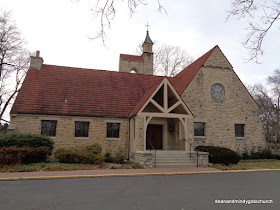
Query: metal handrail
191	146
154	150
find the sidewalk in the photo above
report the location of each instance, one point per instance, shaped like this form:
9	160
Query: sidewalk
41	175
103	173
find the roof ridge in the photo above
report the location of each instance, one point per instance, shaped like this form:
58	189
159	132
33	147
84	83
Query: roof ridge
109	71
74	67
131	55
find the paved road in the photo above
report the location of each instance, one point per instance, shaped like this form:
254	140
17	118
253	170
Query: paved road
153	192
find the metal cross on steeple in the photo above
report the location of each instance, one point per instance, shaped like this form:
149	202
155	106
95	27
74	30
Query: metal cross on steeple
147	26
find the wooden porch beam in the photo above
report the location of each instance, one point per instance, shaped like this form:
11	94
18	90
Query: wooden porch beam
157	105
164	115
165	98
174	106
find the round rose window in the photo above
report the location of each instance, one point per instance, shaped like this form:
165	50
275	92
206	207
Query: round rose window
218	92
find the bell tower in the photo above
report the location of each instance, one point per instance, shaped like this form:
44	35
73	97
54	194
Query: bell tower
148	44
148	55
143	64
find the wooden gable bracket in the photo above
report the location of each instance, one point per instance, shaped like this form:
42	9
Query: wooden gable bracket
163	108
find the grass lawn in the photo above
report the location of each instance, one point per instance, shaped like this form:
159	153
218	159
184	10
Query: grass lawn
65	167
251	164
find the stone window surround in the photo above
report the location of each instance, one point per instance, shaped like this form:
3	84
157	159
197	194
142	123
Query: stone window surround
225	88
218	100
50	118
73	120
113	121
204	130
240	137
81	120
49	132
87	129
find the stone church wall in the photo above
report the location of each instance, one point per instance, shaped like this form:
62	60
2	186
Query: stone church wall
219	117
126	65
65	131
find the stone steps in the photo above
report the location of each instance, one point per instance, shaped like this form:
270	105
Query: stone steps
173	158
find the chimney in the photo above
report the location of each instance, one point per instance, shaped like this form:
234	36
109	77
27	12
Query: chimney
36	61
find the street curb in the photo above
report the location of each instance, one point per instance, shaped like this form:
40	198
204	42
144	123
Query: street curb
131	175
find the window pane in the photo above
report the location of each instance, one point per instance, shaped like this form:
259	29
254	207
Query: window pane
199	129
81	129
113	130
48	127
239	130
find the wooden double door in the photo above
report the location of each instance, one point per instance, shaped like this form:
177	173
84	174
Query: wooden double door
154	136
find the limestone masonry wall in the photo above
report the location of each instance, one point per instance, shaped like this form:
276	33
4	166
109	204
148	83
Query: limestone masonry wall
144	66
126	65
219	117
65	131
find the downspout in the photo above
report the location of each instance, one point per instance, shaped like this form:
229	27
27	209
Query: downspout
128	144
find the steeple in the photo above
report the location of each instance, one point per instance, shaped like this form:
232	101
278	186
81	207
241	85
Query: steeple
148	39
148	43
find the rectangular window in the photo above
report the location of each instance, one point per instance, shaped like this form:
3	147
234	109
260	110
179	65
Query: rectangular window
239	130
48	127
81	129
199	129
113	130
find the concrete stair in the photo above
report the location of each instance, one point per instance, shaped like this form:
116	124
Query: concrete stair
173	159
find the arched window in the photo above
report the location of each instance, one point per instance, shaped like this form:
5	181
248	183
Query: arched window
133	71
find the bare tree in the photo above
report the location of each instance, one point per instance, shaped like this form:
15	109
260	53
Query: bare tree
268	111
170	60
268	99
262	16
14	60
106	10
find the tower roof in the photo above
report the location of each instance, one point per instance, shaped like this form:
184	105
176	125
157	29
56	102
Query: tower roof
148	39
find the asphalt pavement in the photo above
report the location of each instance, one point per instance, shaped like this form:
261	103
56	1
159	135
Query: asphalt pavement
182	192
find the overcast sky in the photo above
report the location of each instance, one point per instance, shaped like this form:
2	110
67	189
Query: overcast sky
60	30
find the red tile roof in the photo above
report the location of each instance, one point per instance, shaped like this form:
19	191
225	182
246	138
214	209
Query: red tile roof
145	97
85	92
131	57
60	90
189	72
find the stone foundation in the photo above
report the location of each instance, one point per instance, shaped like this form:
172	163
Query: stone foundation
145	158
203	158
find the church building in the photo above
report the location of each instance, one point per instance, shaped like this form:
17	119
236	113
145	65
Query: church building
149	118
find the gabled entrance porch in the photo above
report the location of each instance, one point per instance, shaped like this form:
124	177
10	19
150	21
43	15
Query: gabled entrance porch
162	123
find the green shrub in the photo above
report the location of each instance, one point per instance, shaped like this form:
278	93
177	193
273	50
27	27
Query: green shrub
220	155
26	140
94	148
109	158
136	165
119	157
17	155
11	155
36	155
262	154
245	156
77	155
